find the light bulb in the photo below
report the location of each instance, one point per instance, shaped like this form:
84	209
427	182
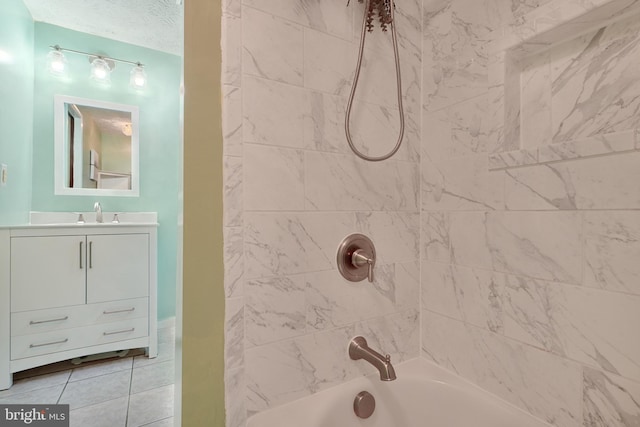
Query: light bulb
57	62
100	70
138	77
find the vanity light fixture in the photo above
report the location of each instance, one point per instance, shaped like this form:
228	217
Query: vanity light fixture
56	61
138	77
101	69
101	66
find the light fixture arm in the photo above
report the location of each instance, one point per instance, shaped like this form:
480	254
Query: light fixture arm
88	54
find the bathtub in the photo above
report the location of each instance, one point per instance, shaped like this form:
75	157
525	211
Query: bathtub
424	395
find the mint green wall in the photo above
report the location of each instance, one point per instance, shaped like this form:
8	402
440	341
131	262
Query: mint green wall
16	120
159	105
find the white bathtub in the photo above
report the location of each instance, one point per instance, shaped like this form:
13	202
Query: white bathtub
424	395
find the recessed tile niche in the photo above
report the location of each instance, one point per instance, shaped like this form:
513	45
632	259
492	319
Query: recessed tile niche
573	91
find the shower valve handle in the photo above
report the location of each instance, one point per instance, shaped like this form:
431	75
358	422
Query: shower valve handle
360	258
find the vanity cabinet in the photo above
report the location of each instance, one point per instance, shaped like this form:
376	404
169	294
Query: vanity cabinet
76	291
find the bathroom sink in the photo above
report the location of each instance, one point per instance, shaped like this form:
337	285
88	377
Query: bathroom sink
74	218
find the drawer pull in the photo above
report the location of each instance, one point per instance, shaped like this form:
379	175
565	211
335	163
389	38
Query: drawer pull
119	332
37	322
126	310
49	343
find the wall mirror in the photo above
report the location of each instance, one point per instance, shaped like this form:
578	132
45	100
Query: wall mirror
96	147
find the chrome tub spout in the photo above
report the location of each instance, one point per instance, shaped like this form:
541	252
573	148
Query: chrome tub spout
358	349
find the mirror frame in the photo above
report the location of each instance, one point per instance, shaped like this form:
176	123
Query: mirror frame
61	159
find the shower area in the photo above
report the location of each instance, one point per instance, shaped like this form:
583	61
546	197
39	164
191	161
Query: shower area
506	225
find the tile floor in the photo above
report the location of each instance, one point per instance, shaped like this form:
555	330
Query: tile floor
133	391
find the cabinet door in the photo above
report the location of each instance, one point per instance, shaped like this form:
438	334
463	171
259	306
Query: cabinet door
117	267
47	272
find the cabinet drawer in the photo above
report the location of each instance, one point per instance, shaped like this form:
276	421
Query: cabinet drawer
51	342
54	319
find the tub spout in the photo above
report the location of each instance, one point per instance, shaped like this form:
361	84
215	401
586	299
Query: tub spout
358	349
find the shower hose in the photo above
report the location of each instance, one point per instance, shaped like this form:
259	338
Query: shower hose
355	84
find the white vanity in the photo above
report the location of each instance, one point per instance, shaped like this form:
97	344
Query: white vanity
71	289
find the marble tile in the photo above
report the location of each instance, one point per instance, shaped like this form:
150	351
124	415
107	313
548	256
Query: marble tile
233	191
512	105
152	376
495	119
297	368
435	236
535	86
233	262
468	122
46	395
455	37
467	294
459	130
95	390
393	233
612	250
607	182
397	335
166	422
273	178
329	16
332	301
275	309
272	48
372	186
292	243
311	363
150	406
266	106
576	322
595	146
544	245
375	131
542	384
36	383
234	332
463	183
102	368
595	89
469	243
521	7
112	413
274	245
233	7
609	400
231	41
324	232
324	122
235	390
326	68
510	159
232	120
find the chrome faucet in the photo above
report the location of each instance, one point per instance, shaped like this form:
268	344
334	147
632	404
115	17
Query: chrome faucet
358	349
98	209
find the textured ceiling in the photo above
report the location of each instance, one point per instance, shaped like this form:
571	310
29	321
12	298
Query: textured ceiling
155	24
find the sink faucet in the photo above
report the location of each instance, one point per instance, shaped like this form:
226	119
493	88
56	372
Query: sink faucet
98	209
358	349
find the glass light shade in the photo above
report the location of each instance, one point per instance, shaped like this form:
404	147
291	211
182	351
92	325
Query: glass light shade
56	62
138	77
100	70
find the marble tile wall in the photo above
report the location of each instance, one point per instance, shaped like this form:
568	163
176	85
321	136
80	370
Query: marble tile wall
294	190
529	264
